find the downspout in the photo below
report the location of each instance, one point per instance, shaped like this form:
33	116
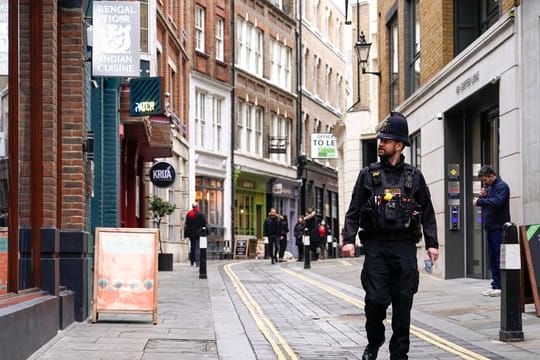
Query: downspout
299	128
233	107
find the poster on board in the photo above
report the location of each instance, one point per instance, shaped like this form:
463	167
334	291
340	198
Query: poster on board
125	271
530	273
3	259
240	248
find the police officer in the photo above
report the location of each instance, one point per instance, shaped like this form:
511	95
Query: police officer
390	203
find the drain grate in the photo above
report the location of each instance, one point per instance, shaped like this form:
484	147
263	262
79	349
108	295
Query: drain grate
180	345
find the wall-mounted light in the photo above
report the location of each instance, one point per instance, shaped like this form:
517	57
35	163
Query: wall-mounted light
362	52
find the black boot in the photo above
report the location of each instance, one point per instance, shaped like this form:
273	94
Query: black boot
370	353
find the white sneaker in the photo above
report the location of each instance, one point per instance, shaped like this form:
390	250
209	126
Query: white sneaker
487	292
495	292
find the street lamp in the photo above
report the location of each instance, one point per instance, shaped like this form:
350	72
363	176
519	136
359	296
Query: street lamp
362	52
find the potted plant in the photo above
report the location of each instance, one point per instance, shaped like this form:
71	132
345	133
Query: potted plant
161	208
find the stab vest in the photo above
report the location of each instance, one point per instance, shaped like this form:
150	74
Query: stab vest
392	204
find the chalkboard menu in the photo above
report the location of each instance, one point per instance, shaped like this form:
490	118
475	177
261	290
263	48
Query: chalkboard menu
530	248
240	248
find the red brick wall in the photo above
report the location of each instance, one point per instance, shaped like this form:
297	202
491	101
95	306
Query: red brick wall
170	23
74	179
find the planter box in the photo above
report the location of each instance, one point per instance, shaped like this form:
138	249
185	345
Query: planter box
165	262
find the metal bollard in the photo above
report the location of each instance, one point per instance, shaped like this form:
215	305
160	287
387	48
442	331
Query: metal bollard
307	252
329	243
334	245
203	243
511	325
266	246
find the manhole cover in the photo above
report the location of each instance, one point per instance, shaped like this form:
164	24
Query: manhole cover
180	345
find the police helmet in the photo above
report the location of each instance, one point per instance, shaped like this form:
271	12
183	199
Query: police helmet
395	128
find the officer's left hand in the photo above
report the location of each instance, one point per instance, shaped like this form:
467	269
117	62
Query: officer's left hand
433	254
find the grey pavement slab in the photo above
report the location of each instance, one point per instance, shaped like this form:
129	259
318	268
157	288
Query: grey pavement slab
207	319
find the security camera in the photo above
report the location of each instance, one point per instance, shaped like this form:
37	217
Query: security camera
439	116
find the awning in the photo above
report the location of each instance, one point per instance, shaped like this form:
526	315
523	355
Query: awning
152	133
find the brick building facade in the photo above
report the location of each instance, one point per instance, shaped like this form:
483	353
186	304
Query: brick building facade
264	108
45	117
323	103
210	125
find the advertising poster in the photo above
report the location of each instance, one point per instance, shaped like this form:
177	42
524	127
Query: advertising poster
125	273
3	260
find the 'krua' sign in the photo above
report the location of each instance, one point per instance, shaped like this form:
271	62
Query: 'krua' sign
162	174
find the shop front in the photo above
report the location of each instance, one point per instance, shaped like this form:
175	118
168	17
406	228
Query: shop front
250	206
320	192
283	195
459	121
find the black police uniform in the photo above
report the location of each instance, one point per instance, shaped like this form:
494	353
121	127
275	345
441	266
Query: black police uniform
388	205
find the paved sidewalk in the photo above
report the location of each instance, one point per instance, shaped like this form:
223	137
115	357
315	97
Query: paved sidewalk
454	307
188	323
198	320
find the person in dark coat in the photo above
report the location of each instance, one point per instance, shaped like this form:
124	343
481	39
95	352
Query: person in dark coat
195	221
312	223
283	235
272	230
298	233
391	205
495	203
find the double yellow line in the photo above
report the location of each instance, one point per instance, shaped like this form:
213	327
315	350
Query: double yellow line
416	331
284	351
280	346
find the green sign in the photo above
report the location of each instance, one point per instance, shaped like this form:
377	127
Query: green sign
146	96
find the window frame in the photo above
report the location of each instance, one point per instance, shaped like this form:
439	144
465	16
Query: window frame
394	63
200	23
413	47
220	42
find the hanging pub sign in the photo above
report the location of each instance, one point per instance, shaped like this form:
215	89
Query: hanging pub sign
146	96
162	174
116	38
323	146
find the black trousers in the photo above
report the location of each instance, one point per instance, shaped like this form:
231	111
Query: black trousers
390	276
273	245
282	247
300	251
194	250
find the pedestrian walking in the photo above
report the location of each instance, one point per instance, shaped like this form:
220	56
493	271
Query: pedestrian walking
195	221
391	204
271	229
283	235
495	203
312	223
323	231
298	233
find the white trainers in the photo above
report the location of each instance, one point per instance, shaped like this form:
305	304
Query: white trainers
492	292
487	292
